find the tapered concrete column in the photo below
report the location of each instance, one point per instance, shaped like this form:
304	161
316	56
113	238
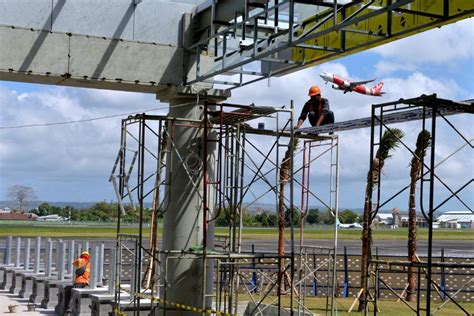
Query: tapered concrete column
59	243
37	255
85	246
7	259
70	257
61	263
94	266
18	252
112	267
100	276
49	258
78	250
183	216
26	262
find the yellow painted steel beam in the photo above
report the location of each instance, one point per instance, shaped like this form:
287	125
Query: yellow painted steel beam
416	17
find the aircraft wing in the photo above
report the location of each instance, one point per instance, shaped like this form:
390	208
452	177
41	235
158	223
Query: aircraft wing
358	83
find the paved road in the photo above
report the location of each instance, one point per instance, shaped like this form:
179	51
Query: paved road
461	248
453	248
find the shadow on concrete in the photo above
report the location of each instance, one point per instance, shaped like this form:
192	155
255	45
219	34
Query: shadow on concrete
42	36
113	44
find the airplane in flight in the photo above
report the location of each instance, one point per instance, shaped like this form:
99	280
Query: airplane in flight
345	85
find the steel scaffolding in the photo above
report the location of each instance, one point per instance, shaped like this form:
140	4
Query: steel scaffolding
247	171
431	108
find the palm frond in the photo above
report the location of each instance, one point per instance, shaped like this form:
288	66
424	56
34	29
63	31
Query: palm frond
390	140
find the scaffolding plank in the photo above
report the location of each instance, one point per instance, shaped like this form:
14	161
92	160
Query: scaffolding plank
241	115
392	118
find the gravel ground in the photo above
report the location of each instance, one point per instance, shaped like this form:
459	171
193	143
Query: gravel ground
7	299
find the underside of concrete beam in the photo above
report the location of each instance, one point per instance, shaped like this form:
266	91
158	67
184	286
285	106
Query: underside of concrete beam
87	61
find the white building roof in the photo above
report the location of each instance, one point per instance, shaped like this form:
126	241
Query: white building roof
385	215
464	216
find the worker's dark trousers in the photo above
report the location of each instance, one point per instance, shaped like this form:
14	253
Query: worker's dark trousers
328	118
67	293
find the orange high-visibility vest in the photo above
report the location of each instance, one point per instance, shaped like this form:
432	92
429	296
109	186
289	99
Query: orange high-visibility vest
84	277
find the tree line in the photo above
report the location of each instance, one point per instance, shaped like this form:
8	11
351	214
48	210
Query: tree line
270	219
108	212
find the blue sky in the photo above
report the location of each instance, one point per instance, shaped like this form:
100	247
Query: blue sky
73	162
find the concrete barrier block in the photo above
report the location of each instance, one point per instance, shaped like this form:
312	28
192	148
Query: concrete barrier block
50	298
101	304
81	302
9	278
26	288
3	273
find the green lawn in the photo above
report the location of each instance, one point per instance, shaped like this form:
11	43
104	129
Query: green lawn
95	230
386	307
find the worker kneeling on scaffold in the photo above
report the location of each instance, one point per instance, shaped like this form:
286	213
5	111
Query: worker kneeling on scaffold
82	273
316	109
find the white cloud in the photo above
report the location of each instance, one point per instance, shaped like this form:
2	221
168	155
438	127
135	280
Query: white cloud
385	67
446	47
63	156
441	45
417	84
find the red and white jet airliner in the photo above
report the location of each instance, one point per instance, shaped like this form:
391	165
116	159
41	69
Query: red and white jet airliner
345	85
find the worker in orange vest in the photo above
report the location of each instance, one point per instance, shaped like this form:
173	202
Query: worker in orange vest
82	273
316	109
82	270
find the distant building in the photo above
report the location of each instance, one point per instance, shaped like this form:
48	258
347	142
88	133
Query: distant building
5	210
51	218
420	221
456	219
17	216
396	219
384	218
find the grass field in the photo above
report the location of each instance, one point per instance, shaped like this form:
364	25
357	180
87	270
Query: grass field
386	307
95	230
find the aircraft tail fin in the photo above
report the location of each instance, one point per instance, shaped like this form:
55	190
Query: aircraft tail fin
378	87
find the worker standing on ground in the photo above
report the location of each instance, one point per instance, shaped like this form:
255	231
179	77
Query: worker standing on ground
82	272
316	109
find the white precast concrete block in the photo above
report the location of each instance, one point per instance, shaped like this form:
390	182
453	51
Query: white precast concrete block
26	13
127	61
159	22
37	51
108	18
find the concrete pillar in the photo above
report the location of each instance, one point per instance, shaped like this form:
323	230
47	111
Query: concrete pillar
61	263
37	255
7	259
70	257
78	250
18	252
112	269
58	253
49	258
26	262
183	223
100	276
94	266
85	245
